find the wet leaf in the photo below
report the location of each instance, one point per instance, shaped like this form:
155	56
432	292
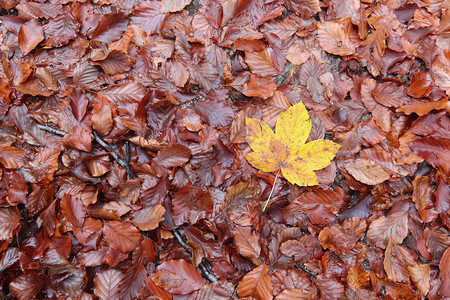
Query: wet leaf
286	149
256	283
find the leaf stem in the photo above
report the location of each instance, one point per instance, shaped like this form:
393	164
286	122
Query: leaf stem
271	192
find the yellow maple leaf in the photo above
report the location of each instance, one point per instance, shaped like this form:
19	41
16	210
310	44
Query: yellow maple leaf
286	149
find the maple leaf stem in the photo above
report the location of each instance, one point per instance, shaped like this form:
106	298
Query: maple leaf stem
271	192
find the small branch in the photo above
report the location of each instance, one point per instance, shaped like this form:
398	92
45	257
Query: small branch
119	160
304	268
271	191
206	273
51	130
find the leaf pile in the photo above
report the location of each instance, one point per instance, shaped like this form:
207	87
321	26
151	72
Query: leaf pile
148	102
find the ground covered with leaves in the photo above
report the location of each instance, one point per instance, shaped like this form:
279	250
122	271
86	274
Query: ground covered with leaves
130	169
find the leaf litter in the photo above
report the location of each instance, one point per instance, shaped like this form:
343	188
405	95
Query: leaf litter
141	140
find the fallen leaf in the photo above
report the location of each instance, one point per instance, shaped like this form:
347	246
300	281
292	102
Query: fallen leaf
257	284
286	149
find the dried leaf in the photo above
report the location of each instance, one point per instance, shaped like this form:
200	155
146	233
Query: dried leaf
148	218
178	276
286	149
30	35
121	236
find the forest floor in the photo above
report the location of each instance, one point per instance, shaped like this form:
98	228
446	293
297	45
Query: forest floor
132	166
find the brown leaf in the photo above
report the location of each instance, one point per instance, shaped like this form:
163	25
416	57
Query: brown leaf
444	274
256	283
78	138
191	204
114	62
178	276
393	227
11	158
26	286
174	155
335	239
247	241
30	35
9	218
435	152
330	288
262	87
148	218
261	63
396	262
149	16
102	120
420	276
106	284
43	166
437	242
215	113
121	236
366	171
334	38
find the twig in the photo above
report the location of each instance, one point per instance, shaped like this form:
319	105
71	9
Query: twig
304	268
51	130
119	160
208	275
271	191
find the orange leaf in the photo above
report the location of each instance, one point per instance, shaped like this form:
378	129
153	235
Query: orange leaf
247	241
178	276
149	218
334	38
102	120
286	149
106	284
121	236
10	157
257	284
262	87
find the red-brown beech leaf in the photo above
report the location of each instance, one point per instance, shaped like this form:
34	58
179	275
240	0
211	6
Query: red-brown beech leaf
257	284
106	284
334	38
420	276
306	8
444	274
422	193
437	241
396	262
191	204
247	241
219	290
366	171
258	86
30	35
78	103
121	236
421	85
394	226
148	218
435	151
173	5
133	280
61	29
114	62
330	288
9	218
215	113
178	277
26	286
174	155
10	157
74	210
102	120
78	138
148	15
261	63
335	239
43	166
110	28
126	92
